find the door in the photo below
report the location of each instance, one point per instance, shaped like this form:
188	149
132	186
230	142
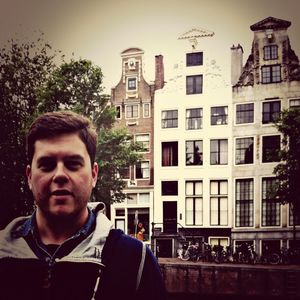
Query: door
170	216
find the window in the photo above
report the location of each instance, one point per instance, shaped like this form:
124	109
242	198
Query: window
193	202
132	111
142	170
169	188
244	151
245	113
219	115
193	118
291	216
131	84
270	52
244	203
218	241
169	154
144	198
271	111
271	74
146	110
118	111
219	202
120	224
124	172
219	152
194	59
271	147
270	208
169	119
131	198
295	103
120	212
194	153
144	139
194	84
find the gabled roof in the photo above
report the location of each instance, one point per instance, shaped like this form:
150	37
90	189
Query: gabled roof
196	33
132	50
270	23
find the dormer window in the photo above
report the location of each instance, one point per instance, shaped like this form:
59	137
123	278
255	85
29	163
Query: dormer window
270	52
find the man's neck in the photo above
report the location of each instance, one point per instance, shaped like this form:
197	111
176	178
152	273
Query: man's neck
57	230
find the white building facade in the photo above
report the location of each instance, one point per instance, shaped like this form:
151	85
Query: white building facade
192	150
268	83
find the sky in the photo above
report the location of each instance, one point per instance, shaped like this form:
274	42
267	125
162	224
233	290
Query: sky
99	30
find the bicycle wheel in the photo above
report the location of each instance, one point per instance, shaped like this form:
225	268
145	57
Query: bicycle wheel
274	259
185	256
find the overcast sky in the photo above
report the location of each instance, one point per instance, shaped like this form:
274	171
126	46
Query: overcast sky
100	30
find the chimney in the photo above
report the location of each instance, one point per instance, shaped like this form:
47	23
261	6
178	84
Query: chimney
159	73
236	63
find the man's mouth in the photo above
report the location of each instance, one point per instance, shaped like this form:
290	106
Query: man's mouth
62	193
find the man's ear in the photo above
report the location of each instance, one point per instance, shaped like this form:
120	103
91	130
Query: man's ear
28	175
95	170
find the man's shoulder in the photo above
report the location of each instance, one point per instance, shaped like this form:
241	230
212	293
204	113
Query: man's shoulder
14	227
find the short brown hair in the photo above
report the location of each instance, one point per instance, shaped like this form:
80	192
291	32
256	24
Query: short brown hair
52	124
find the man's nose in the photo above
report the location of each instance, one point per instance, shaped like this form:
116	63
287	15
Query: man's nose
60	175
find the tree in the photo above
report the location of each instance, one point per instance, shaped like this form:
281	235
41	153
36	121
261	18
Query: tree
24	67
31	84
288	171
77	85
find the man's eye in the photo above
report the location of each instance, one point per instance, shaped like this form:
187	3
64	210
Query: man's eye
73	165
47	166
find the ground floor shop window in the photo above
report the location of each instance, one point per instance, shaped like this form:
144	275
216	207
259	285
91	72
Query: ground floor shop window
138	223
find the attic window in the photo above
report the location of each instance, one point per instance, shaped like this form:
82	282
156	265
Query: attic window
194	59
270	52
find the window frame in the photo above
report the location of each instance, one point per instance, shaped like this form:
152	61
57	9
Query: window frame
132	111
141	170
129	86
172	158
147	149
193	120
269	54
270	75
244	115
219	196
240	149
270	209
193	153
192	60
246	204
149	110
196	199
270	115
265	148
218	152
173	120
216	116
194	87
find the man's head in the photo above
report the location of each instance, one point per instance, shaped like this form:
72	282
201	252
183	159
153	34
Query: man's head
62	122
62	171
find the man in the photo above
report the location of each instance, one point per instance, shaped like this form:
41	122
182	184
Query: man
67	250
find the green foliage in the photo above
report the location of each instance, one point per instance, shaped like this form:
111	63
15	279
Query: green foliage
31	84
77	86
288	171
24	67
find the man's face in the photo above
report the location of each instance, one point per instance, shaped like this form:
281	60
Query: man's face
61	177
